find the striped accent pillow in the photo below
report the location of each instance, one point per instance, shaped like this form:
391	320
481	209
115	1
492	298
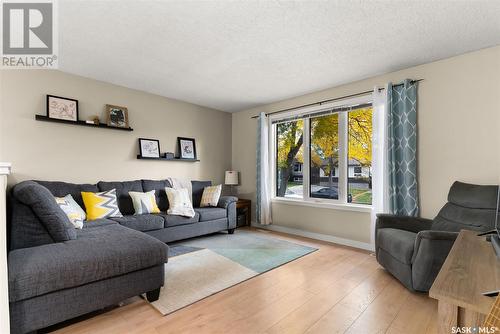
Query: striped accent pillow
101	205
210	196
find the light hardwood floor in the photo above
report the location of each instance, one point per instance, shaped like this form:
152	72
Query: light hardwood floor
333	290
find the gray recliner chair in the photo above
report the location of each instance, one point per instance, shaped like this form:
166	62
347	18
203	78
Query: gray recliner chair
414	249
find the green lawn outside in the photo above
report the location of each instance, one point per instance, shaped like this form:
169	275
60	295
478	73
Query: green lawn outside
361	196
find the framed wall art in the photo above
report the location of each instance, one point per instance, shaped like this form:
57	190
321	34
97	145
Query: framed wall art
149	148
117	116
63	108
186	147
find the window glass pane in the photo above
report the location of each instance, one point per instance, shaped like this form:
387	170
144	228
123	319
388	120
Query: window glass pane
359	184
324	152
289	159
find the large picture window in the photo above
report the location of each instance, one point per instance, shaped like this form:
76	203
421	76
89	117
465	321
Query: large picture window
325	155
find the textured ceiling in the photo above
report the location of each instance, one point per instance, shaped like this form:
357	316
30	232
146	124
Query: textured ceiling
236	55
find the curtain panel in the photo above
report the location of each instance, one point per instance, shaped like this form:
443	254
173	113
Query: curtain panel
380	172
402	148
263	195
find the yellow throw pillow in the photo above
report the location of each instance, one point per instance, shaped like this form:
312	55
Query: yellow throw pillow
210	196
144	202
101	205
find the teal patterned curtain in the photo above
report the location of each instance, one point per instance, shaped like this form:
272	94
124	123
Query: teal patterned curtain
402	145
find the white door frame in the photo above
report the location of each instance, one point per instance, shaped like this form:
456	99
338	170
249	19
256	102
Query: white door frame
5	169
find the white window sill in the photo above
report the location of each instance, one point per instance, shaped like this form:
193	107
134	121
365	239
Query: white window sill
323	204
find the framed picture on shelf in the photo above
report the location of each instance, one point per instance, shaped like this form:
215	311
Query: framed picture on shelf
62	108
117	116
187	148
149	148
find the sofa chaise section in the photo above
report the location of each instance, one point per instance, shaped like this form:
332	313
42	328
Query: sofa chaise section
41	279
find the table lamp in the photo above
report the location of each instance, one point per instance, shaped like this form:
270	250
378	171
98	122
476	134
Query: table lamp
231	179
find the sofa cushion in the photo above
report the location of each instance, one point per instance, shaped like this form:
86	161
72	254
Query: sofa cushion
147	222
398	243
197	188
43	204
98	223
97	254
159	187
122	189
61	189
174	220
211	213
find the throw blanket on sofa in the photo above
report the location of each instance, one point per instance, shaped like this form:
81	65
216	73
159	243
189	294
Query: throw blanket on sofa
181	184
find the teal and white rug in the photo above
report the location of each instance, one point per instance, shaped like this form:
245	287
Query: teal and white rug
200	267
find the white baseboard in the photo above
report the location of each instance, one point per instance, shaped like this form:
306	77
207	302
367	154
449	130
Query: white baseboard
318	236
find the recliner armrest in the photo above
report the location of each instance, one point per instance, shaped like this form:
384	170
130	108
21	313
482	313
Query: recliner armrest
437	235
224	201
411	224
429	254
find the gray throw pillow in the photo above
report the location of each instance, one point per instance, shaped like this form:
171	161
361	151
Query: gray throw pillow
44	206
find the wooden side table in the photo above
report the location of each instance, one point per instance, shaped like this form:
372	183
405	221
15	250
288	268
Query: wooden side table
470	269
244	205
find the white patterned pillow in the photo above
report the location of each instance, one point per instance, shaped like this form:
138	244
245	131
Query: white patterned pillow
179	202
74	212
144	202
210	196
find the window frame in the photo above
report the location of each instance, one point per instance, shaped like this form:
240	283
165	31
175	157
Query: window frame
343	172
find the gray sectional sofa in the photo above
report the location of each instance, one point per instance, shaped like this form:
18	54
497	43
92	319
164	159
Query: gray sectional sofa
57	272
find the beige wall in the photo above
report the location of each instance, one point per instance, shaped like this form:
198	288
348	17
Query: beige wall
459	133
40	150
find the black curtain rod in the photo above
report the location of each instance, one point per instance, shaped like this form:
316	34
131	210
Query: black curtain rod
332	100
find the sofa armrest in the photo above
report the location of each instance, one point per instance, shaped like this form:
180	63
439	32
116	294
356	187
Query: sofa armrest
411	224
429	254
224	201
229	203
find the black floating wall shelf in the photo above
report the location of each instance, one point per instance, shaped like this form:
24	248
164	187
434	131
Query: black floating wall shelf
165	159
81	123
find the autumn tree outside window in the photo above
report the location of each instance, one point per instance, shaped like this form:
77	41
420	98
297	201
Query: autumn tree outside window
325	156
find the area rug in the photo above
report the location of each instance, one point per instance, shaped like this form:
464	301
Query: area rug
200	267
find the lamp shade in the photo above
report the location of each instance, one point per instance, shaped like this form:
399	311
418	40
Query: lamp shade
231	178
